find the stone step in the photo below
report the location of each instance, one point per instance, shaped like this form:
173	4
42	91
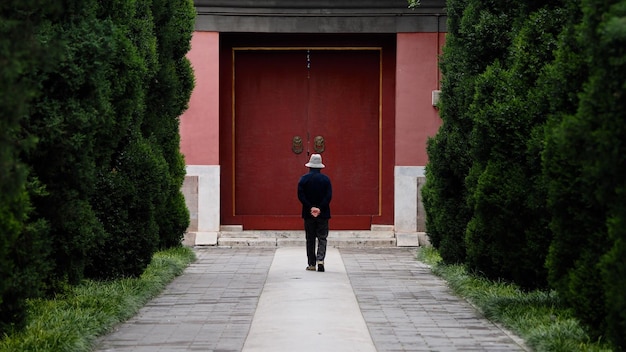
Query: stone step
300	234
343	243
246	242
293	242
297	238
235	236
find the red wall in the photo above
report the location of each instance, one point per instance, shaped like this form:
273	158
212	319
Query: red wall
199	125
417	75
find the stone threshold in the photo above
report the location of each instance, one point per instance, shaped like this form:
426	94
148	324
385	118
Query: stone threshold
235	236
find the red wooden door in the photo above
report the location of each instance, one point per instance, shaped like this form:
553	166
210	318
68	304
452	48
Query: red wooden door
280	95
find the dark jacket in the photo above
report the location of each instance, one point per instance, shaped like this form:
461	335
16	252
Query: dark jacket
315	190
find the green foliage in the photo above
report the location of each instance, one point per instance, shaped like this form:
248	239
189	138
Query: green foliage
130	229
71	321
479	33
167	99
444	193
413	3
528	166
613	273
92	177
73	106
589	273
133	188
564	79
609	171
143	176
508	235
24	259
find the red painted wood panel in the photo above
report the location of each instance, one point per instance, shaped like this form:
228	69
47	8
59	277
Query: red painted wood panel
344	109
270	109
306	93
255	145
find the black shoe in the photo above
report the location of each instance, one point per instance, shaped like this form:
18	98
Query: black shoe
320	267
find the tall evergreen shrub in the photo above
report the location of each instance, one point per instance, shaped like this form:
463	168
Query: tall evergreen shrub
167	99
608	75
129	179
81	179
142	179
24	261
508	235
564	80
585	166
131	226
73	108
478	34
444	194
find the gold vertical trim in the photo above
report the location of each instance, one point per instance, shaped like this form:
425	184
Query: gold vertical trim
380	133
233	130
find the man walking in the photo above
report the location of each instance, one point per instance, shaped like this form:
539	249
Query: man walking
315	193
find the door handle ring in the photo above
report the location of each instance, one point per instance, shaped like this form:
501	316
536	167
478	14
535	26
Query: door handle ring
297	145
319	145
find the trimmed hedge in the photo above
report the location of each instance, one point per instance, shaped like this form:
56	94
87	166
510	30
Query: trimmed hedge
444	194
525	180
167	99
585	162
24	241
508	237
93	91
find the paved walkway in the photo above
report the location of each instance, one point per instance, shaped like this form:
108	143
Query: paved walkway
261	299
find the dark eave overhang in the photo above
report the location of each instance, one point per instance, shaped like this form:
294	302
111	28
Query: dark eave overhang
320	16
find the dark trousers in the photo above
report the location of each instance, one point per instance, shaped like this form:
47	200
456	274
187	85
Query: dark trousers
316	228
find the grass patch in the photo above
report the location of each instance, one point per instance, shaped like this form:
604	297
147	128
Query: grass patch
538	316
73	320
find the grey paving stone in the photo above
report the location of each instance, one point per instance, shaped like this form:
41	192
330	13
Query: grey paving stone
211	306
208	308
407	308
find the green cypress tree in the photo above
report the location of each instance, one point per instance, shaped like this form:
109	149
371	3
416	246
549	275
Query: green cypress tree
604	101
584	163
141	180
508	235
24	261
444	194
129	171
478	34
128	211
564	80
73	107
167	99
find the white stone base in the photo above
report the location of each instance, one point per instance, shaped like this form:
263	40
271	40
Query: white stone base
406	198
407	239
206	239
207	208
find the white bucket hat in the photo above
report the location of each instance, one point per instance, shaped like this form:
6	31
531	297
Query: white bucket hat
315	162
